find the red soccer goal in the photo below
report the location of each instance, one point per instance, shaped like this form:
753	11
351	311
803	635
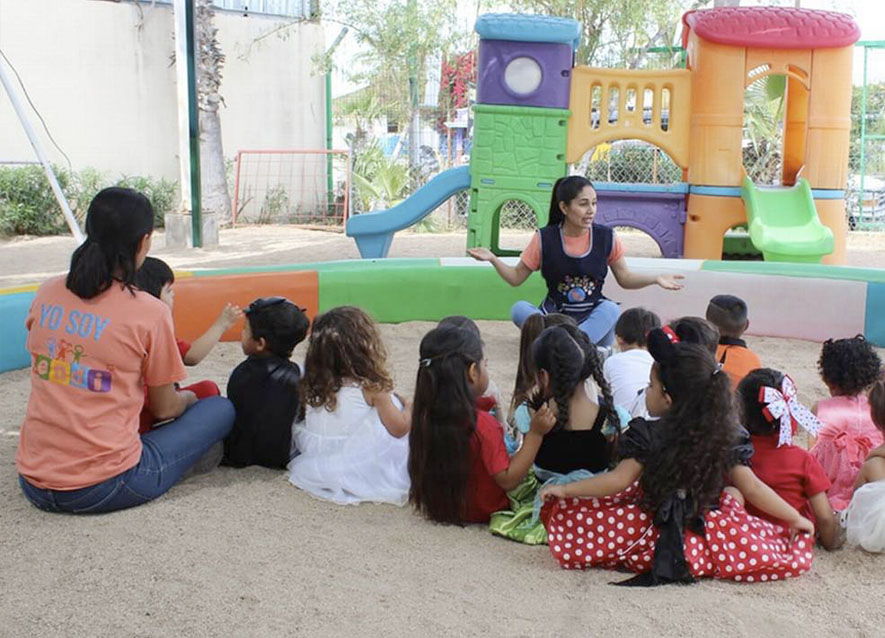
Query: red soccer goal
304	187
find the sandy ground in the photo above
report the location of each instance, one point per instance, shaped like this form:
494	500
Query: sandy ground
243	553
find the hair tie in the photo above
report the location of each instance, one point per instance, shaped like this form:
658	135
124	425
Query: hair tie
716	370
425	363
671	334
783	405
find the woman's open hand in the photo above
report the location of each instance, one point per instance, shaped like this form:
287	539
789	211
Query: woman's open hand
670	282
481	254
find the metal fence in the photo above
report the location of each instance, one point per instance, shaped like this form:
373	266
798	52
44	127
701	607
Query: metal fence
304	187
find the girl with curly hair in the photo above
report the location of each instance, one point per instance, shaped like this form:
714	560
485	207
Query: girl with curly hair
848	367
665	511
352	445
459	467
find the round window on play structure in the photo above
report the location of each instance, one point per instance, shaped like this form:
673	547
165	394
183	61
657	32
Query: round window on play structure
522	76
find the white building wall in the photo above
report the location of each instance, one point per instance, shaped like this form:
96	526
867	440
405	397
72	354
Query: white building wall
101	75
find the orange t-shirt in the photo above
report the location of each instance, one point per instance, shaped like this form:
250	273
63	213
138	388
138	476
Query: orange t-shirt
91	359
737	361
574	246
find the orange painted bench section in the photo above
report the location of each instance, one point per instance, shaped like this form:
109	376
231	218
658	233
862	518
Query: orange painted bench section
199	300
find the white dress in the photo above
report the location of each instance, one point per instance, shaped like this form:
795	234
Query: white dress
865	517
348	456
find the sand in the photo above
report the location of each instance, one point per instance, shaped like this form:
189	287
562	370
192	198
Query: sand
243	553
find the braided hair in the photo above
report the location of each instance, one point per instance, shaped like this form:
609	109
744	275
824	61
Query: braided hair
569	358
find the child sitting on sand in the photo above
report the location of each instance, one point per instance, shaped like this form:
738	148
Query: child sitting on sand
352	445
770	411
459	468
691	329
524	388
490	401
564	359
663	512
264	387
729	314
155	277
627	370
848	367
865	517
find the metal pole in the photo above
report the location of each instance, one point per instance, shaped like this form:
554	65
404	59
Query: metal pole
194	129
863	135
330	185
188	117
41	155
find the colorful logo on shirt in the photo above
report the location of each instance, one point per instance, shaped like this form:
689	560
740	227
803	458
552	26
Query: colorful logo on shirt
576	289
63	365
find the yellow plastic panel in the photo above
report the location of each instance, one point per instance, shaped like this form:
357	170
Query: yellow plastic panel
586	129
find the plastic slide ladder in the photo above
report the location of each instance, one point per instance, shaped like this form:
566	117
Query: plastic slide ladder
373	232
783	223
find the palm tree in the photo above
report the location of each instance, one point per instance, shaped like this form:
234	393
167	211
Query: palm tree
210	59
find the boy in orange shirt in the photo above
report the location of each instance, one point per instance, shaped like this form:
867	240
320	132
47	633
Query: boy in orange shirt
729	314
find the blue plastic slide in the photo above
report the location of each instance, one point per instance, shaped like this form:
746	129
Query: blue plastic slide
374	231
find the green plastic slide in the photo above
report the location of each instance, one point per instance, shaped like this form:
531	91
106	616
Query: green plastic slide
783	223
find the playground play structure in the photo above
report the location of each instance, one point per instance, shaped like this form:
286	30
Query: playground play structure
523	145
536	112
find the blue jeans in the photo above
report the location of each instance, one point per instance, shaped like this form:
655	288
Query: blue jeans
599	326
167	453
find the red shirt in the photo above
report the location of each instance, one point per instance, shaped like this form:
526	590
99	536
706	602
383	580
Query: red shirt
790	471
488	457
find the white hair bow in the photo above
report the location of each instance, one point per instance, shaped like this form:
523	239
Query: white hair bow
783	405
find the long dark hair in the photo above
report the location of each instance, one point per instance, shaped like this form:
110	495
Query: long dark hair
525	369
569	357
694	440
117	220
750	407
565	190
443	421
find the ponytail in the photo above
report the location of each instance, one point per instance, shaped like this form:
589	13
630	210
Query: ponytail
565	190
117	220
443	422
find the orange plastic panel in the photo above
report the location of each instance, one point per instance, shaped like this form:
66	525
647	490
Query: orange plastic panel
796	121
707	220
586	129
717	113
829	119
199	300
832	213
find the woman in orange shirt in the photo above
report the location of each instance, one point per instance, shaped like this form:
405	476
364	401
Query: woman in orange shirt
95	342
574	255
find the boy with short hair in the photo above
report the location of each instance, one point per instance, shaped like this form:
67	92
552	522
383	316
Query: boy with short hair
155	277
729	314
627	371
264	387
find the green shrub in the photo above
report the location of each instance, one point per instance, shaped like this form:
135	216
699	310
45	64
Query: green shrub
28	206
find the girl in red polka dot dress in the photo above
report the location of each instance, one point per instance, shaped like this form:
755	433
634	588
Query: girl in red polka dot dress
665	512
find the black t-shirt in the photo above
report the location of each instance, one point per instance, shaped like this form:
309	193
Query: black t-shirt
565	451
264	391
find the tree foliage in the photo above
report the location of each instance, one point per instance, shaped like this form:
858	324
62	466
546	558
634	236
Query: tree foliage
400	38
617	32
